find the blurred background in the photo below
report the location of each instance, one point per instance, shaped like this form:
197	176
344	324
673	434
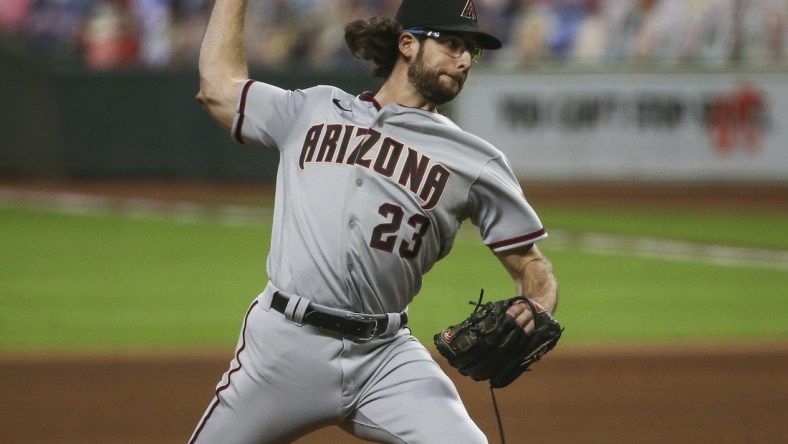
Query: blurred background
165	34
110	85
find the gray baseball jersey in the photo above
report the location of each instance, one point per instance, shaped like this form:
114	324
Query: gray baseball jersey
367	200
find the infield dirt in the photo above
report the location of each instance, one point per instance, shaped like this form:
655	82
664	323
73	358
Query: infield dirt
579	394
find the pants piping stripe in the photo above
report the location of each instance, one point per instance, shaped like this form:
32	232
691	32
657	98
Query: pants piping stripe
220	389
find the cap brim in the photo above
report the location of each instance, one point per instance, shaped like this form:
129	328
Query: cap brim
486	41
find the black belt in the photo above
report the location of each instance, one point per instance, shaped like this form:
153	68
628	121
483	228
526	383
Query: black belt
356	326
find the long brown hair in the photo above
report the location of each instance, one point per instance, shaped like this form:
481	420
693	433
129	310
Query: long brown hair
375	40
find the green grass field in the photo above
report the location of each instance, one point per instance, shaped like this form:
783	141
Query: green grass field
114	280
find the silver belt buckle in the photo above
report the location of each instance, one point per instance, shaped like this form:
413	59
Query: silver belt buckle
364	318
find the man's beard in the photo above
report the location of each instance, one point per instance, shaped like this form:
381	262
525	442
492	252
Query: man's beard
427	82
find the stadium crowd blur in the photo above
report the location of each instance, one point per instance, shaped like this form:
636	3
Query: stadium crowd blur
166	34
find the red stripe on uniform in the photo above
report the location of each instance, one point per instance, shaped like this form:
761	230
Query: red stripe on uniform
370	97
224	387
517	240
237	134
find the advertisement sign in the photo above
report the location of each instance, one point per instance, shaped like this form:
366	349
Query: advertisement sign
616	126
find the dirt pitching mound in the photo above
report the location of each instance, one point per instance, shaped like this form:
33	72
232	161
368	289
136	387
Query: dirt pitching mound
578	394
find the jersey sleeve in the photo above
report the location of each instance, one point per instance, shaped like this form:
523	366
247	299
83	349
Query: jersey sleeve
498	207
265	114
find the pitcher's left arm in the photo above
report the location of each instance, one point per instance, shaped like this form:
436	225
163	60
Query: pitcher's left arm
533	277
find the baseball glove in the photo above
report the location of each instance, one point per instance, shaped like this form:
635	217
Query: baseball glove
489	345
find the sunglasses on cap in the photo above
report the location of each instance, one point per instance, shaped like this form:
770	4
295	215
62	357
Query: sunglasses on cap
451	44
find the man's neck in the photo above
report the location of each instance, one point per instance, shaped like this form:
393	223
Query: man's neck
397	89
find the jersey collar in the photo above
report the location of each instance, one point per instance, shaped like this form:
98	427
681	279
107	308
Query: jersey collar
370	97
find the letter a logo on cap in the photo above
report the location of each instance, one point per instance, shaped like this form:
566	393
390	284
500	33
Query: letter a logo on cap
470	11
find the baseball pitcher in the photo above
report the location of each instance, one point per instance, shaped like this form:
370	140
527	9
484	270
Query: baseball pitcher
371	191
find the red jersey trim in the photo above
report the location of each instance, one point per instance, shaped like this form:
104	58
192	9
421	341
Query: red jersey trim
517	240
237	134
369	97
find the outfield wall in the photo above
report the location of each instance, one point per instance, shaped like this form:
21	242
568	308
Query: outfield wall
61	121
667	126
65	122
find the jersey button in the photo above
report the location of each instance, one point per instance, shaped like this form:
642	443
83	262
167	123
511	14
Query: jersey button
359	182
351	225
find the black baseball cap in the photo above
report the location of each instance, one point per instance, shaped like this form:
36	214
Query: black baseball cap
445	15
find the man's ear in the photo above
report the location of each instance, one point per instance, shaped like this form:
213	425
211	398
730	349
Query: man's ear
408	45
